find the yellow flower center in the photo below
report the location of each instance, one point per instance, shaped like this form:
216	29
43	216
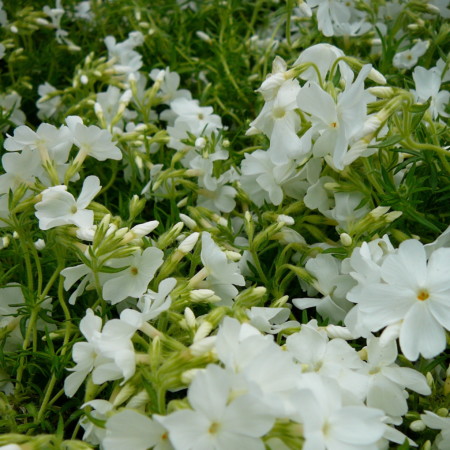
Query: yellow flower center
134	270
214	428
278	113
422	295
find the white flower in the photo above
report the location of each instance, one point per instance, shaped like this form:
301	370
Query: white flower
74	274
59	207
263	180
20	168
47	106
92	140
414	293
271	320
335	359
92	432
216	422
336	123
409	58
108	354
329	422
133	281
169	85
436	422
48	139
130	430
428	83
323	57
223	275
199	120
332	284
151	304
387	380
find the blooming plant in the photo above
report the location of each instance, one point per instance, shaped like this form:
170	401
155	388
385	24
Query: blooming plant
224	225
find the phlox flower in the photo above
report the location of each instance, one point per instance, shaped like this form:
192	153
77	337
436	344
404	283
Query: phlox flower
131	430
428	83
335	123
332	284
52	142
199	119
413	294
151	304
333	421
126	60
10	107
264	180
436	422
93	433
20	168
217	421
271	320
92	141
261	364
133	281
334	358
332	15
408	58
222	274
59	207
387	381
48	107
169	86
108	353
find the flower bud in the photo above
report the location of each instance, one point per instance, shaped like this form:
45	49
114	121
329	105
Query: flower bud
190	223
39	244
200	143
189	243
346	239
189	317
204	295
203	330
417	426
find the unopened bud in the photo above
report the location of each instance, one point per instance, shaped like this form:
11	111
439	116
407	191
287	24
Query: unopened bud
188	375
381	91
189	317
4	242
433	9
233	256
84	79
346	239
417	426
190	223
200	143
379	211
204	37
39	244
288	220
203	330
189	243
144	228
204	295
376	76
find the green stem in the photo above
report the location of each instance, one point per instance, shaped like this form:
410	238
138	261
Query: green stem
442	154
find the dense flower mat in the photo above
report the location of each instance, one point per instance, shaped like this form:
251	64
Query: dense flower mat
224	224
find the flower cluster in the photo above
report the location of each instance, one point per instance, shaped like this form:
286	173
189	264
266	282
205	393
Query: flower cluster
201	252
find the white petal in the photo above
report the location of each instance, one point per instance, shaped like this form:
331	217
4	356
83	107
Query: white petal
421	333
91	187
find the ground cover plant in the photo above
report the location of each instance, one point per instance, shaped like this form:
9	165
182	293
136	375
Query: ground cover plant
224	224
